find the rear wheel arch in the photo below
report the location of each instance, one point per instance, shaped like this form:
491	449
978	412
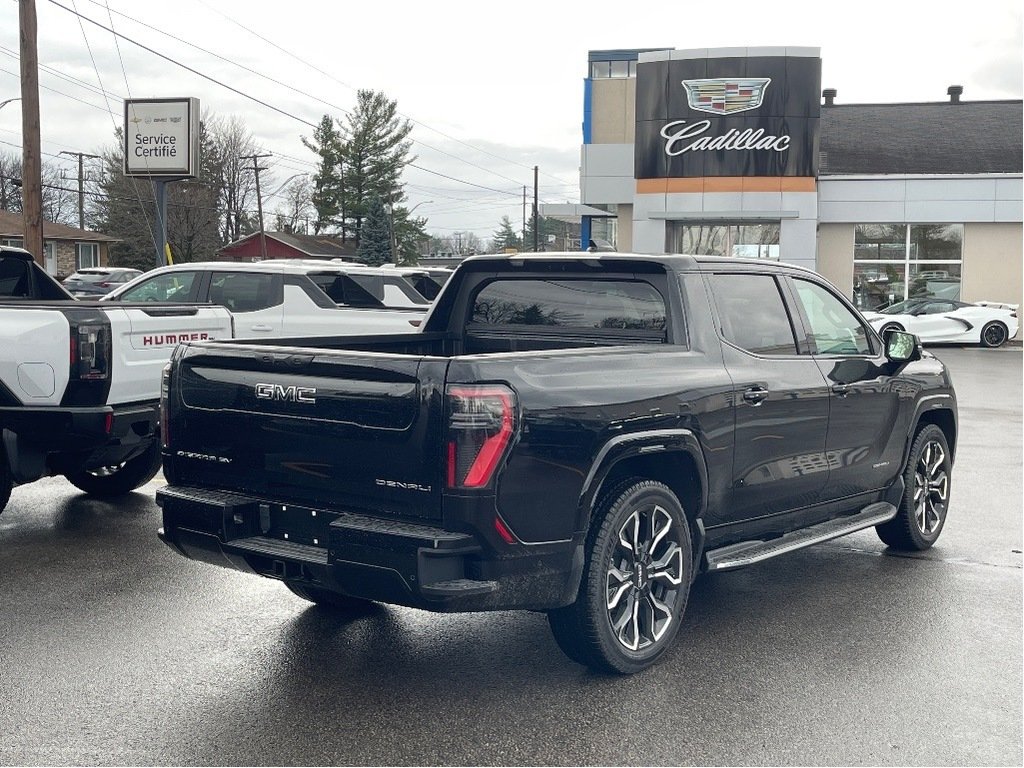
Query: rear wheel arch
682	470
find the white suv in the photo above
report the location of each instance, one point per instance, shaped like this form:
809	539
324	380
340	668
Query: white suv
288	297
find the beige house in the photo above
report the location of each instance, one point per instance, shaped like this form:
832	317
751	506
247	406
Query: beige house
67	249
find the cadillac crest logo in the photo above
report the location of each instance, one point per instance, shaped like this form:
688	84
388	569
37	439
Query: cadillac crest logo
726	95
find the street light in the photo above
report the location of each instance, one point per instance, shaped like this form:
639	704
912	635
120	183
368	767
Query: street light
5	102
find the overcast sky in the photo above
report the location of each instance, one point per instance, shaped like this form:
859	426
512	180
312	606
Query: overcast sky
493	89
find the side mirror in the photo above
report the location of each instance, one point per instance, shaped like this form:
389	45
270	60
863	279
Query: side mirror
901	347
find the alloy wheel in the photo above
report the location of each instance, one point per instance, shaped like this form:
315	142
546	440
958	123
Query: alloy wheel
931	488
645	577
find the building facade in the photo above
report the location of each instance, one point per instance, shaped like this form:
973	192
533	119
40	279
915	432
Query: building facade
65	249
732	151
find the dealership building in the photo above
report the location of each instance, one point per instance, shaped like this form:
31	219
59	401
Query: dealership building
739	152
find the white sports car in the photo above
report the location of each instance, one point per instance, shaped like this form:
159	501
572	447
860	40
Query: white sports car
944	321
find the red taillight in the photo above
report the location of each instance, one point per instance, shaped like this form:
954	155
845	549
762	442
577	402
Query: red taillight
108	423
506	535
90	352
481	423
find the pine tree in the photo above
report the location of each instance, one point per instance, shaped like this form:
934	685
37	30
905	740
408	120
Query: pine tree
375	149
328	196
375	241
505	237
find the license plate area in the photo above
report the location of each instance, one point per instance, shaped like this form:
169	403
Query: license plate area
296	524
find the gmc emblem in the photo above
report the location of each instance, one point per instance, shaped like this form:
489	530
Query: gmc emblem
292	394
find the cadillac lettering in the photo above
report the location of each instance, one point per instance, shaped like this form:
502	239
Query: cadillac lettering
678	133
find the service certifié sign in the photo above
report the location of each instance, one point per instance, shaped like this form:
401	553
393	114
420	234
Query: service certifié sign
161	137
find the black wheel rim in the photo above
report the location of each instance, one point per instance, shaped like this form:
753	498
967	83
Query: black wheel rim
644	578
994	335
931	488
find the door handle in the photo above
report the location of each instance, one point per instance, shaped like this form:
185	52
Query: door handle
261	327
841	389
755	395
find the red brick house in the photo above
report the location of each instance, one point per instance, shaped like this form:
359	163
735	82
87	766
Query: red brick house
285	245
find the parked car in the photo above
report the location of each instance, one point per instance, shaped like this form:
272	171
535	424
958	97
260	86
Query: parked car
937	320
287	297
426	280
97	281
391	288
574	434
80	380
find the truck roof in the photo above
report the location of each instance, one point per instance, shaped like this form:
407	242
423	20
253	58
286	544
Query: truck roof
676	261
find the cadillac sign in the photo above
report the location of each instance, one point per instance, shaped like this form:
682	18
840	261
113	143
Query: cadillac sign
735	116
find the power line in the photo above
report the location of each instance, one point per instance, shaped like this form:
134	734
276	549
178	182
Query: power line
184	66
233	89
292	88
346	85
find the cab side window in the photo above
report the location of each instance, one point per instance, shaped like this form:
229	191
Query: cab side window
172	286
835	330
243	291
752	314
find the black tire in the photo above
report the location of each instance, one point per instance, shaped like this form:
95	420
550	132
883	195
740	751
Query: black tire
326	598
922	511
636	581
109	482
6	481
994	334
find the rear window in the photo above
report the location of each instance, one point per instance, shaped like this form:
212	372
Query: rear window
91	277
577	304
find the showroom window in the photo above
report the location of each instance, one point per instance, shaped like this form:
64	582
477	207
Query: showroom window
752	241
600	70
893	262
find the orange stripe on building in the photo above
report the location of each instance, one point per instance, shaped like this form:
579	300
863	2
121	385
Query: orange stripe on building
727	184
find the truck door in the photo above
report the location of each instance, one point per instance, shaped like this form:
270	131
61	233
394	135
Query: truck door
780	400
865	435
254	298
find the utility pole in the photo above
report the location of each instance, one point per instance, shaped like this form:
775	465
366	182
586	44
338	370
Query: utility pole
81	182
259	200
524	217
536	211
31	159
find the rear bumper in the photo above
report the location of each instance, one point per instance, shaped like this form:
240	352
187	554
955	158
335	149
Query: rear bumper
69	439
386	560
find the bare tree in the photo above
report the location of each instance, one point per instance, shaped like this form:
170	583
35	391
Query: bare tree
232	140
294	213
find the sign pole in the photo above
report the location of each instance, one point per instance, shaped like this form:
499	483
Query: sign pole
160	194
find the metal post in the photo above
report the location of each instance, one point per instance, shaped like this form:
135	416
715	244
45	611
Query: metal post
160	194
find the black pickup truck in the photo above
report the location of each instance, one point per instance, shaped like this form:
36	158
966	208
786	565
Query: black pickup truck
575	434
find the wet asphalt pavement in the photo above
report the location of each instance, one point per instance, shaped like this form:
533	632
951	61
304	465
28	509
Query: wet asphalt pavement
114	650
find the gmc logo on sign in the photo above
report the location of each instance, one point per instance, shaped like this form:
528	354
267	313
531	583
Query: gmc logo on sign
291	394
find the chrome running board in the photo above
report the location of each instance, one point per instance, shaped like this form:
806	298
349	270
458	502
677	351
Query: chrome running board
749	552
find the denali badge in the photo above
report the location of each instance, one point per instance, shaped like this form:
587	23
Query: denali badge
404	486
292	394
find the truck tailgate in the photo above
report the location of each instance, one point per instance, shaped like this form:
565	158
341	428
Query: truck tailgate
144	337
335	430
